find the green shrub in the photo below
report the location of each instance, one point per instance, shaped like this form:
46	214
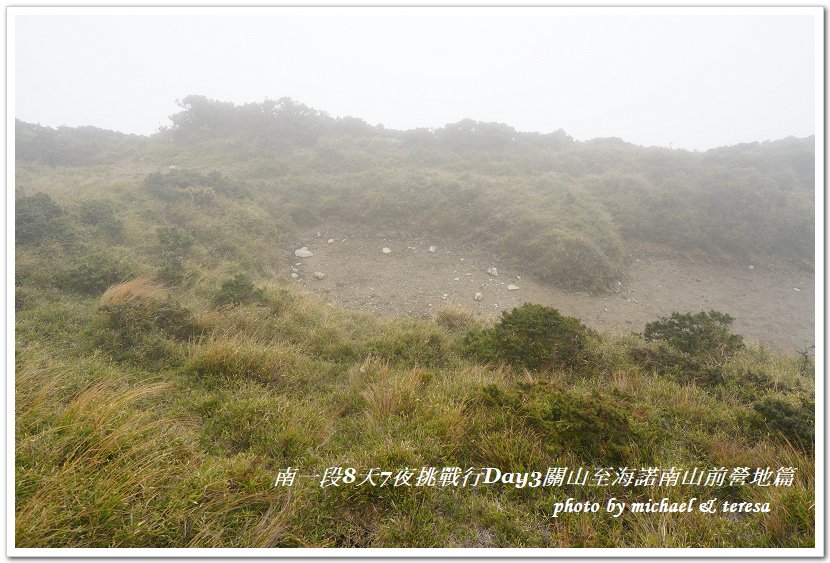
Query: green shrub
142	326
174	241
175	244
167	315
37	218
238	290
101	213
533	337
668	362
176	184
95	272
792	418
703	334
595	427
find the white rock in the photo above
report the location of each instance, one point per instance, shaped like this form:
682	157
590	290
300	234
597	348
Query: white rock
492	271
303	253
796	289
456	279
319	234
478	296
751	267
518	277
294	276
463	259
468	274
444	296
432	249
293	269
512	287
320	275
386	250
330	241
298	264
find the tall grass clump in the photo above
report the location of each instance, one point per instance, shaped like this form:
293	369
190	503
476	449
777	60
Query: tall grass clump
142	323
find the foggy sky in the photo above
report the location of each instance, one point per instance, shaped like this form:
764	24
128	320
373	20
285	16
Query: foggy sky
689	81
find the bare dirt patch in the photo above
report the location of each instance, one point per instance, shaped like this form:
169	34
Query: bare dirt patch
774	305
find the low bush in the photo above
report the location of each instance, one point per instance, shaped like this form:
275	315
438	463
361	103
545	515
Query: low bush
533	337
142	323
792	418
177	184
93	273
595	426
38	218
238	290
101	213
175	245
702	334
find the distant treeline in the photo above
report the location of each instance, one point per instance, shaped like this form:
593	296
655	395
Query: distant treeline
567	209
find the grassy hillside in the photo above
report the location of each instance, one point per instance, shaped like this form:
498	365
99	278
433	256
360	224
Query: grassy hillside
165	373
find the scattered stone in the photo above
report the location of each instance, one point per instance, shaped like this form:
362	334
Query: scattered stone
330	241
796	289
456	279
303	253
478	296
294	276
320	275
512	287
319	234
492	271
432	249
387	250
468	274
444	296
606	310
298	264
462	259
751	267
293	269
518	277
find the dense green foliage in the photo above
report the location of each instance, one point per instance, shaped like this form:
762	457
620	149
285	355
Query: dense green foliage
238	290
165	374
38	218
702	334
534	337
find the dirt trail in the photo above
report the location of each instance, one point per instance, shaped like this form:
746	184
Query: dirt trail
771	305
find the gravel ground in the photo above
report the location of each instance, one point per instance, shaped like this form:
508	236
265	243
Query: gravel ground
412	281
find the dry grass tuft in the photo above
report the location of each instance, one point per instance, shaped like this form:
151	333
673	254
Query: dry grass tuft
138	290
